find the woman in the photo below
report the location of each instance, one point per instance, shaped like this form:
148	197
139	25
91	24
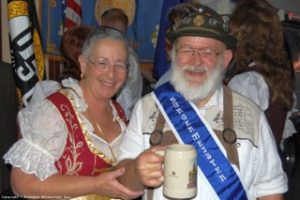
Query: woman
70	49
261	70
71	138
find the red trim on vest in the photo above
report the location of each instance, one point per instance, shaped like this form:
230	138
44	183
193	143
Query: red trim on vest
120	111
77	159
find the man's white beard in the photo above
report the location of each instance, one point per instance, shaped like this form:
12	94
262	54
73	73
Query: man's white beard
191	91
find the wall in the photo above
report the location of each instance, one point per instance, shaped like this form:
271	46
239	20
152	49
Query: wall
287	5
226	6
223	7
4	33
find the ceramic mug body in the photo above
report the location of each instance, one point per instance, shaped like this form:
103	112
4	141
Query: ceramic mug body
180	171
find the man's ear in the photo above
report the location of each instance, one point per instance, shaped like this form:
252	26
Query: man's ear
228	55
168	48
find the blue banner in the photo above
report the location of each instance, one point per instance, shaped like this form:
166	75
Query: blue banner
144	29
161	64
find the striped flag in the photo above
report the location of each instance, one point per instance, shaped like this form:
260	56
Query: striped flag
27	57
72	13
161	64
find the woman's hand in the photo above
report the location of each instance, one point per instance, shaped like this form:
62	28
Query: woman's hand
107	184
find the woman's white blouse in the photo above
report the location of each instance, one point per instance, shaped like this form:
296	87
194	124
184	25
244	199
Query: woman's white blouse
44	135
253	86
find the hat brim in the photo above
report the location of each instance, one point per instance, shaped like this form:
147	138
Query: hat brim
227	39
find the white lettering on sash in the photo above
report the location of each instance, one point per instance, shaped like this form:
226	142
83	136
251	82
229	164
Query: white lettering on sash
196	138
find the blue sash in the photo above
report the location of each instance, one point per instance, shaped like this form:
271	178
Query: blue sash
191	130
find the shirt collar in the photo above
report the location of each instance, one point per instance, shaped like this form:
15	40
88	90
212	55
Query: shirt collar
215	100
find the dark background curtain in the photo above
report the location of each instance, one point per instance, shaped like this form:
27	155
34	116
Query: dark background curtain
292	40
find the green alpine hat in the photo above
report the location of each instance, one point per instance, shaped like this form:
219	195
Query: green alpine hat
204	22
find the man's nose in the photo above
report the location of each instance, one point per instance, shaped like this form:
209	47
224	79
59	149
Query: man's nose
196	58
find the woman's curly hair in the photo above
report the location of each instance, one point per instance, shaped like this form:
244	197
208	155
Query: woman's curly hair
260	38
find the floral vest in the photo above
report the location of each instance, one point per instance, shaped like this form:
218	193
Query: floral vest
80	157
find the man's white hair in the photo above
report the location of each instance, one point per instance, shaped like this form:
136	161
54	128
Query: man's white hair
202	90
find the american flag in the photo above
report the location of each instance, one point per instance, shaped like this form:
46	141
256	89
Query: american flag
72	13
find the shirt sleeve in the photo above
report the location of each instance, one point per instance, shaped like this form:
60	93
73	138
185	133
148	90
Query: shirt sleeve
43	140
270	177
252	86
133	141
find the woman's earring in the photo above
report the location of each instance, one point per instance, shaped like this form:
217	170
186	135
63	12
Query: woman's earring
82	76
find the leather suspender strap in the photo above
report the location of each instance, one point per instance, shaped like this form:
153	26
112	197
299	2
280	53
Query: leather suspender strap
158	137
160	122
228	117
228	136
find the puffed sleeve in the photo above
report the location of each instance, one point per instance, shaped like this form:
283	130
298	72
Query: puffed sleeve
133	144
253	86
43	140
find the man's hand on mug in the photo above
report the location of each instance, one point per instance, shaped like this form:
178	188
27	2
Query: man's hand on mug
149	166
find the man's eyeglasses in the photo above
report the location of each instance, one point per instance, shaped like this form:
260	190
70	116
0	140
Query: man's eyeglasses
205	53
102	64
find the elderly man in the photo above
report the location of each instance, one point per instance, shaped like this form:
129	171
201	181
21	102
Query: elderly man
236	152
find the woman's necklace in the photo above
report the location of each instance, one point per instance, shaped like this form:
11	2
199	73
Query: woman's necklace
114	159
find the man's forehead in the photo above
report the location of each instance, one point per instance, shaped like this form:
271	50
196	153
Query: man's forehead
198	41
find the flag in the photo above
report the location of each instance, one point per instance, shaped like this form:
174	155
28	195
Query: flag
72	13
27	57
161	64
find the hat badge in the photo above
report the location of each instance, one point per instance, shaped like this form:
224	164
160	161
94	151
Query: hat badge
198	20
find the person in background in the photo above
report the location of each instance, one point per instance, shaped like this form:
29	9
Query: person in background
132	89
70	140
70	49
261	70
8	116
229	132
